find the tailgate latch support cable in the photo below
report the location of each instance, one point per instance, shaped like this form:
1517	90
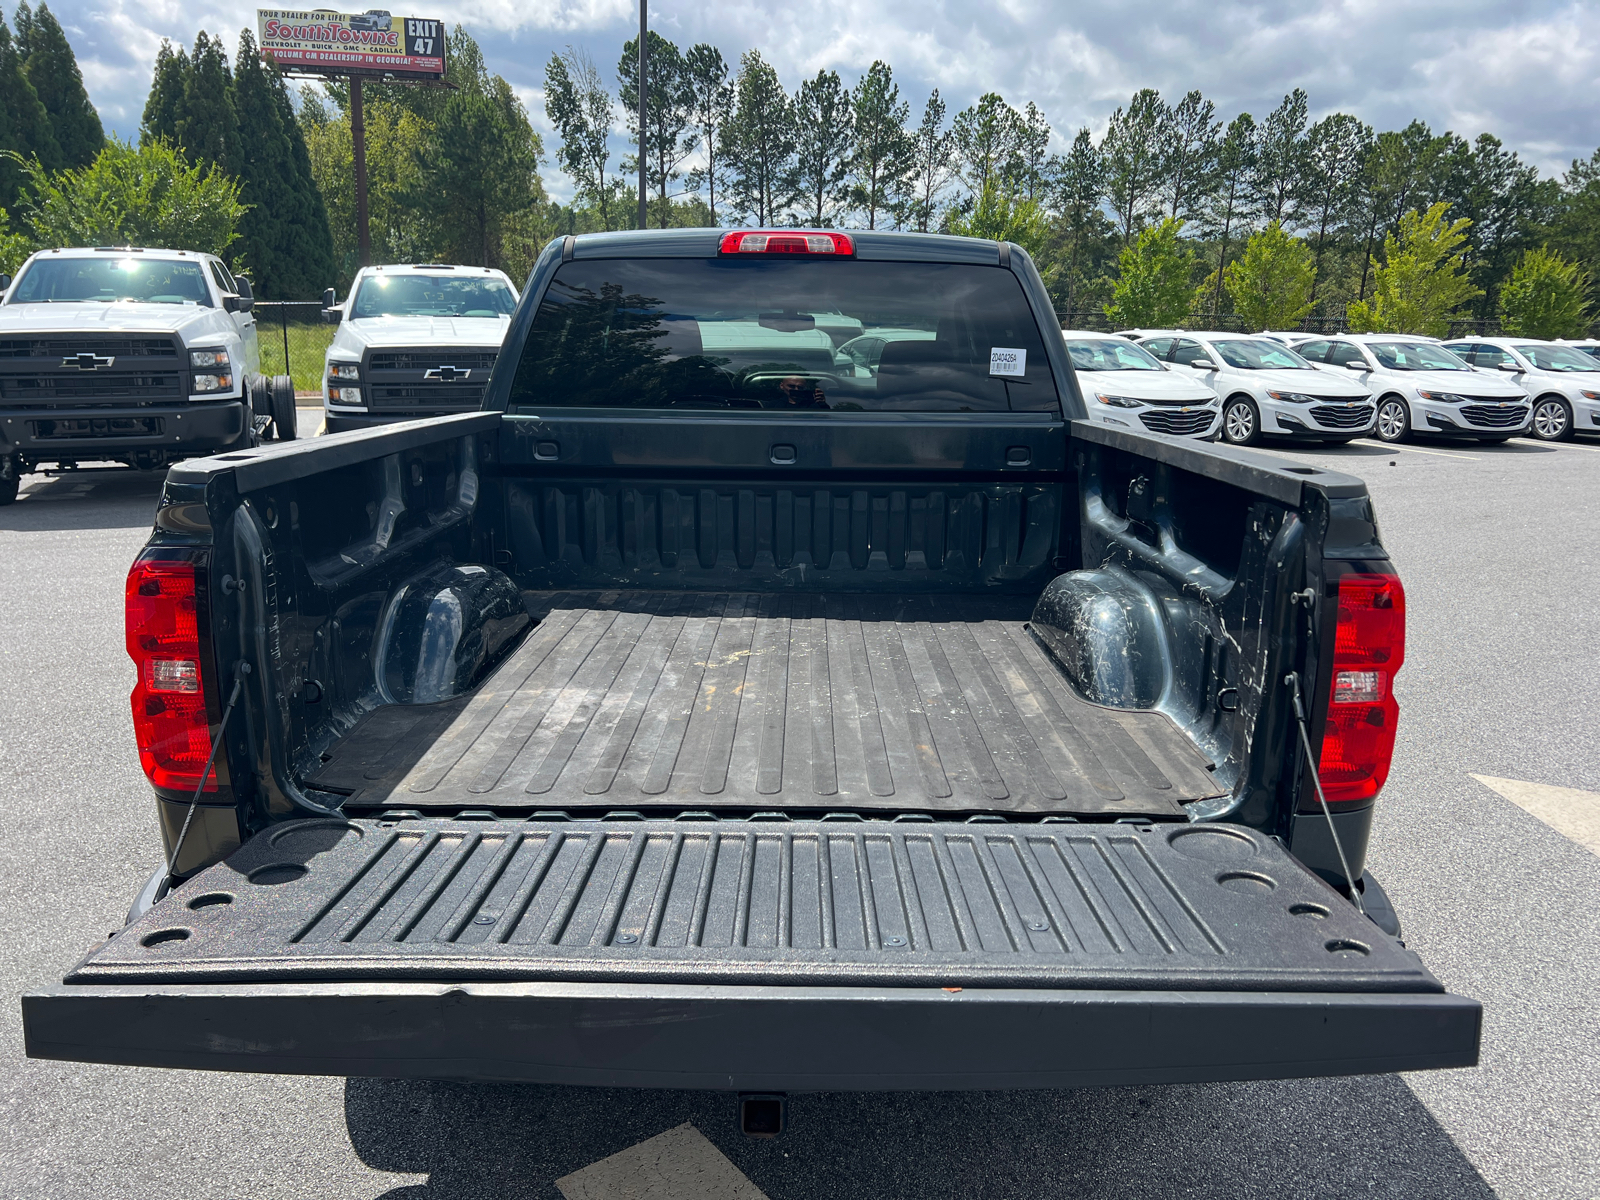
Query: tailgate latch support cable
1292	679
242	670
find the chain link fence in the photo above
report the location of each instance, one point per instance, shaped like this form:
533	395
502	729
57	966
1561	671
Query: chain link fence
293	340
1095	319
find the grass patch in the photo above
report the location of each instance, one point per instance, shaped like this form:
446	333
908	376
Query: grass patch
293	342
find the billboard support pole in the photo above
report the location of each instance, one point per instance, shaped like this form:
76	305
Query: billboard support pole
644	26
358	142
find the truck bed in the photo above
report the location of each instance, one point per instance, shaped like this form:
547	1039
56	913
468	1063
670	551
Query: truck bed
759	701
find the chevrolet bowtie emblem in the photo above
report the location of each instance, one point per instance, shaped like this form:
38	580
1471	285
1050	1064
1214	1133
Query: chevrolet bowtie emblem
447	374
87	361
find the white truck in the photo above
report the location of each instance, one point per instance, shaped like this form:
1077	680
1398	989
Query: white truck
132	355
414	340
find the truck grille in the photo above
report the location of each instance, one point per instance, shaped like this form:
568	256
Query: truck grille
99	427
1330	417
39	372
1181	423
1494	417
424	360
397	380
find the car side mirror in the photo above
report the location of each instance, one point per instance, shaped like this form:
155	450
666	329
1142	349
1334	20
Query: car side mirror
332	316
1203	364
5	283
328	298
246	288
1512	367
232	304
1357	365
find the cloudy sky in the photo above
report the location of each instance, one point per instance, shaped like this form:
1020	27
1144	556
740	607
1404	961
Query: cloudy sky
1525	70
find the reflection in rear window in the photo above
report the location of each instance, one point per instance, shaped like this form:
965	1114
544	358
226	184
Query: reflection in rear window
842	336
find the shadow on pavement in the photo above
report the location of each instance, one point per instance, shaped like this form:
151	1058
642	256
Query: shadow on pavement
92	499
1305	1138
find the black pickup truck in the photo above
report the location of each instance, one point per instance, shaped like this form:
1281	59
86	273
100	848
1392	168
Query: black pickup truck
725	707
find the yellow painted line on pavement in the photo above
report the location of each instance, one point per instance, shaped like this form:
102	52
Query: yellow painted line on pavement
1569	811
680	1164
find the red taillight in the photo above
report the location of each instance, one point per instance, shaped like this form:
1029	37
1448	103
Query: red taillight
169	703
1370	645
752	241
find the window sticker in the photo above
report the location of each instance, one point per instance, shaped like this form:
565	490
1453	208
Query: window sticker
1008	361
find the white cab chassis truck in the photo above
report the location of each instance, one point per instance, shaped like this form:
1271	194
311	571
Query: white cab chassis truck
131	355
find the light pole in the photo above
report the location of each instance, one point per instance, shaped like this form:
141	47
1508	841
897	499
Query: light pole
644	27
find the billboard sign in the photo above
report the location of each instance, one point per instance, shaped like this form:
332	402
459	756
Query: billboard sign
323	42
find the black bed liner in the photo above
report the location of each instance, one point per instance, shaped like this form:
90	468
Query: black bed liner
698	700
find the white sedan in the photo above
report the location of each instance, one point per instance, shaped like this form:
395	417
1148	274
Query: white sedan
1123	385
1562	381
1267	389
1422	387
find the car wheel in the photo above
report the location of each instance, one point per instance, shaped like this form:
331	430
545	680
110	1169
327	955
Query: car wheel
1241	422
1552	419
1394	420
280	394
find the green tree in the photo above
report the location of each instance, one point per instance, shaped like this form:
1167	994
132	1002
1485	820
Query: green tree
1546	297
711	108
580	107
479	170
284	238
164	105
1271	282
883	149
1079	186
149	196
758	141
24	123
1575	225
1190	131
824	148
1133	151
14	246
1422	280
1400	173
1228	204
932	161
671	107
1336	146
1505	201
1031	141
1281	159
986	141
1154	286
206	127
1003	217
53	70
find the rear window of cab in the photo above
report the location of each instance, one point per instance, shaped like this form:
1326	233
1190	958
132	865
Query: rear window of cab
777	333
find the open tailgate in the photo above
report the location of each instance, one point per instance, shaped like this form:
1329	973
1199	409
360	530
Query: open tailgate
744	955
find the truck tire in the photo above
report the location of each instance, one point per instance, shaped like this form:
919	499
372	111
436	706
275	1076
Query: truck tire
280	395
8	490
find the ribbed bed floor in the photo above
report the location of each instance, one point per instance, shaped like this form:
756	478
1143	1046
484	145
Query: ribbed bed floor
693	701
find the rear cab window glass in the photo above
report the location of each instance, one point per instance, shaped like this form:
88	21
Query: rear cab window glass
773	333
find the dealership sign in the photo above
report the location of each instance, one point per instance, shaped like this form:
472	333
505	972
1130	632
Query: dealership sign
321	42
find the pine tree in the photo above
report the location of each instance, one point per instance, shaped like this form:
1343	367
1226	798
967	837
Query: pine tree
758	141
164	105
1281	159
711	107
24	123
206	124
1229	200
1336	146
1132	151
882	146
824	146
1031	137
53	70
1079	184
1191	132
986	141
580	107
933	163
283	237
671	105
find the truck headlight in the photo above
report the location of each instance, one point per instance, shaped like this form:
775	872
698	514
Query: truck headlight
1294	397
350	371
344	395
1118	401
206	384
213	359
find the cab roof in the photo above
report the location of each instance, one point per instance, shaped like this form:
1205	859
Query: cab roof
870	245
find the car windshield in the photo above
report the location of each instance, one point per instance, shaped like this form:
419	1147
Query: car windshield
110	279
1252	355
433	296
1107	354
762	332
1415	356
1558	358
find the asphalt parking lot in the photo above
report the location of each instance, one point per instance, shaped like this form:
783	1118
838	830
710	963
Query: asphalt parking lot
1499	548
